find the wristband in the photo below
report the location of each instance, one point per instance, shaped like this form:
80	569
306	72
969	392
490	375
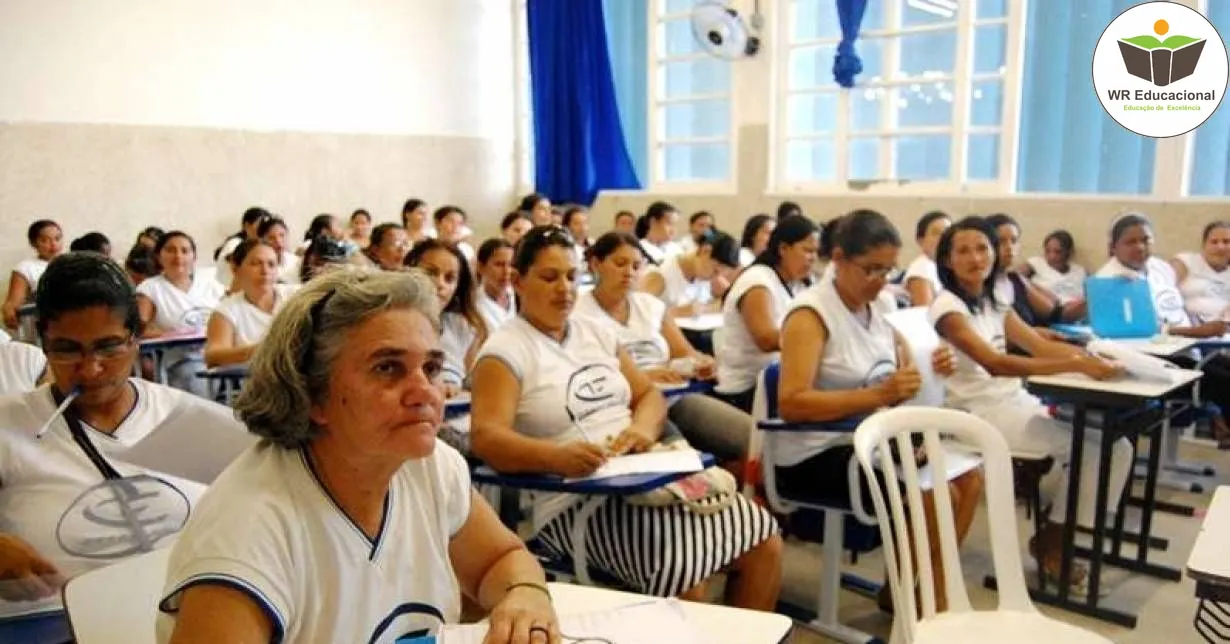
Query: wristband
529	584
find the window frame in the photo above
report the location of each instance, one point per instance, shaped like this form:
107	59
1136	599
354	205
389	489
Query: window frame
657	17
523	101
966	24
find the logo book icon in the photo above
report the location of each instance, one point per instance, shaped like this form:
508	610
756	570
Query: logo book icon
1161	62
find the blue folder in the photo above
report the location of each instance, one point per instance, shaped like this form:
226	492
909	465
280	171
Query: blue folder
1120	307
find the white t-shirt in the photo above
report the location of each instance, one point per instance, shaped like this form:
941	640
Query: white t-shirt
288	268
456	336
642	336
746	256
269	527
660	253
739	360
21	365
176	309
249	321
570	390
1163	285
972	387
53	498
493	314
32	270
677	289
5	337
1205	291
467	251
924	267
857	355
1067	286
224	275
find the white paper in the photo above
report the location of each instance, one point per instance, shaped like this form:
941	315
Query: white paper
957	462
1138	364
651	622
667	462
703	322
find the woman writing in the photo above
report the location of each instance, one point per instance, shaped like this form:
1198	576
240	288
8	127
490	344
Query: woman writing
557	395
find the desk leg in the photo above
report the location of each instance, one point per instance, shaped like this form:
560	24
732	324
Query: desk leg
1109	434
1074	475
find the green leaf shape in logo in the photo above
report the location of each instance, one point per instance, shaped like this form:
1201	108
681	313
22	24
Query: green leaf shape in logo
1151	42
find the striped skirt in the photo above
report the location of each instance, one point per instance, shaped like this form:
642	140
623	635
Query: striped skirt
662	551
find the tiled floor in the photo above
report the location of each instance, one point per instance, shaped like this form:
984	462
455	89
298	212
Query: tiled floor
1165	609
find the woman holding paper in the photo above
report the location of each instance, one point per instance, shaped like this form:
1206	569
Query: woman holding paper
350	521
970	315
63	445
842	358
1131	248
557	394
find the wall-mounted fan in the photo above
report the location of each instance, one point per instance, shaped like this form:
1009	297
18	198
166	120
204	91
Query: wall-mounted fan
723	33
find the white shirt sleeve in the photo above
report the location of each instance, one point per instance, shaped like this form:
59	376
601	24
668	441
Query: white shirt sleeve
946	303
454	484
508	346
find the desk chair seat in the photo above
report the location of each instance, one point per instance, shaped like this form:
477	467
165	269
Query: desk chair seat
839	520
1001	627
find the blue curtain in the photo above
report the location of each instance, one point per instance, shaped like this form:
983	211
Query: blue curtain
1067	141
578	141
1210	167
847	64
627	35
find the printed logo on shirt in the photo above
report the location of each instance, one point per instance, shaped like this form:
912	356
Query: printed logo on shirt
196	318
121	518
406	623
591	389
1169	302
645	353
879	372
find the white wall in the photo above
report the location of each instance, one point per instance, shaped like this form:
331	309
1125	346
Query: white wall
361	66
117	114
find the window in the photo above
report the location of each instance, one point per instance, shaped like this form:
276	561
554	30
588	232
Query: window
691	128
931	105
1209	163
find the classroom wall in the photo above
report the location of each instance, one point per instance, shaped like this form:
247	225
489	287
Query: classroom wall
117	114
1088	217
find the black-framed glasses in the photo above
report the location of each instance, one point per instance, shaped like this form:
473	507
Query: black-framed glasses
63	352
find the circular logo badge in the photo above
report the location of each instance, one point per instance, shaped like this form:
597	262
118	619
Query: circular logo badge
1160	69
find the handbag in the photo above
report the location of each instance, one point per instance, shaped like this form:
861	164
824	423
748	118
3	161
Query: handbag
708	491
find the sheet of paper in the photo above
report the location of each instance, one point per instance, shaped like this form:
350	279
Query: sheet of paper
652	622
703	322
1137	363
957	462
649	463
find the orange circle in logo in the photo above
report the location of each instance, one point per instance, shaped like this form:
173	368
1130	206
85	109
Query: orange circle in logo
1161	27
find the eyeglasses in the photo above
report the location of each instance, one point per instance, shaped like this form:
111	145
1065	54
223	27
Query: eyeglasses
875	272
104	351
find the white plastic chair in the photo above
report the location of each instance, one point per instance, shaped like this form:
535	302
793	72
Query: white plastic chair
118	604
1015	620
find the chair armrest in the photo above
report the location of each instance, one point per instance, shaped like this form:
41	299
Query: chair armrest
844	426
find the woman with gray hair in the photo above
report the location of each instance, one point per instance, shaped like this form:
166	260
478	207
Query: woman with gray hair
349	522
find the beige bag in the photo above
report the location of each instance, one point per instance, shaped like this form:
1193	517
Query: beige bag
708	491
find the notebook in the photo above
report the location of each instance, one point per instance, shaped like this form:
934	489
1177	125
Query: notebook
1120	307
651	622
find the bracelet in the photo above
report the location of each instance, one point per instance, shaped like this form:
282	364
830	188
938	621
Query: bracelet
529	584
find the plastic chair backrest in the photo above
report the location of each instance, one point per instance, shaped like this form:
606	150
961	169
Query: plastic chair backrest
871	446
100	613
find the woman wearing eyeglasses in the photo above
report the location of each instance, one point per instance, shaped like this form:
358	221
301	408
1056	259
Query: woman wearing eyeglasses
54	512
350	521
389	245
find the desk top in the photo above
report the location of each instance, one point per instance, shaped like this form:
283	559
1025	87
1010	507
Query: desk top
703	322
457	405
615	485
1126	387
225	371
172	340
713	623
1161	346
1210	558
